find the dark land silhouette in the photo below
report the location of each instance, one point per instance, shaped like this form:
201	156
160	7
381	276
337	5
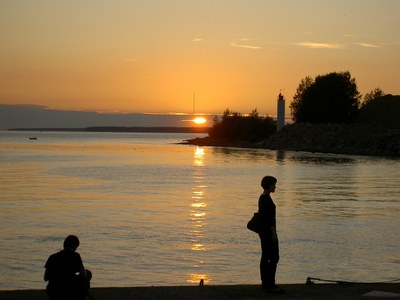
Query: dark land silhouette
375	132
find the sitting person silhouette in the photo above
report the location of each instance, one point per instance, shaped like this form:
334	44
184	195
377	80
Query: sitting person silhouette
66	276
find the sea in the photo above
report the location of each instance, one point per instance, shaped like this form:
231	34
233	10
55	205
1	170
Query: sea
151	211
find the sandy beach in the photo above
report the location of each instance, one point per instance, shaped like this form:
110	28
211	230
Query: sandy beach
231	292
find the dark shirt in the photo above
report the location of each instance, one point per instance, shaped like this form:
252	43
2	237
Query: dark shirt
62	267
267	210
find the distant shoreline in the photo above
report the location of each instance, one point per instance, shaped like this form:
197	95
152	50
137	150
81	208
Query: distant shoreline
122	129
356	139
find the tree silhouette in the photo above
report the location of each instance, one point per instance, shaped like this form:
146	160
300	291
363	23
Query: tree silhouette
371	96
235	126
330	98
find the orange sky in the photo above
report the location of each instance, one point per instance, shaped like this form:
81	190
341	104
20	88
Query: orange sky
151	56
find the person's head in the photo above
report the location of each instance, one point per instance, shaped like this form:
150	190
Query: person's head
71	242
268	182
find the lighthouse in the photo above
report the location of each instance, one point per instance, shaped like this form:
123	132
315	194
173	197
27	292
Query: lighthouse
281	112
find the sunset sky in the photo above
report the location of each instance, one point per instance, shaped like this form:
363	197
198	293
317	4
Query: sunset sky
153	55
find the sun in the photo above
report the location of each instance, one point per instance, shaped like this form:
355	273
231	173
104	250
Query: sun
199	120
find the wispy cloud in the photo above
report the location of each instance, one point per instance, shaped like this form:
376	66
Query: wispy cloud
367	45
315	45
197	40
245	46
245	39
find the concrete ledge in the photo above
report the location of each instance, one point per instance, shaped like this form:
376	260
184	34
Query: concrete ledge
231	292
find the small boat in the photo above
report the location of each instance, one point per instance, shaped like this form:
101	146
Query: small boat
33	138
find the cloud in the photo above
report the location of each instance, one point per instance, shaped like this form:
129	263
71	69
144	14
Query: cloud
314	45
245	46
197	40
367	45
245	39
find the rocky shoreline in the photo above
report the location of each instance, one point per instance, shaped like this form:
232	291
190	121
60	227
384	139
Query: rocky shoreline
351	139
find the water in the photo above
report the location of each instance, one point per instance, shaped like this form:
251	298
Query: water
151	212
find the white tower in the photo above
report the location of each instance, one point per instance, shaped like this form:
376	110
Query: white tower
281	112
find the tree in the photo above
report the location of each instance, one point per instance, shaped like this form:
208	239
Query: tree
381	111
371	96
235	126
330	98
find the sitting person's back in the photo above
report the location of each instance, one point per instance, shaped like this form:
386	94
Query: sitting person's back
66	274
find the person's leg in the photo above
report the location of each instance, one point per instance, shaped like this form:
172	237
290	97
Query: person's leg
268	263
264	271
273	262
55	292
265	263
271	269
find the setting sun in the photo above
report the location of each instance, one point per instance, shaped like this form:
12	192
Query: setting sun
199	120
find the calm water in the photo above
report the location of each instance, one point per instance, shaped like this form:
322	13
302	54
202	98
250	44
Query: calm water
151	212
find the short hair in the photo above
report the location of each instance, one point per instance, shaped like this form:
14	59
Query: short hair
71	241
268	181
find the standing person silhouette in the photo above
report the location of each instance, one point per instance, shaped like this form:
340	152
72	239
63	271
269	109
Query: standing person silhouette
268	237
67	277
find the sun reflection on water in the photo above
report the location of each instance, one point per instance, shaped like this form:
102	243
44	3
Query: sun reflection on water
196	278
198	216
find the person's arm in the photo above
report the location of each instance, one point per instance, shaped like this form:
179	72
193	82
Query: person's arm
81	269
46	275
47	266
83	273
274	235
267	209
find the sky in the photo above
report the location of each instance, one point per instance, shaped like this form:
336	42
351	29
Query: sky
180	56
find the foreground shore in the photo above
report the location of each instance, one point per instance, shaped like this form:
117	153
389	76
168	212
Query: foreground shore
231	292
